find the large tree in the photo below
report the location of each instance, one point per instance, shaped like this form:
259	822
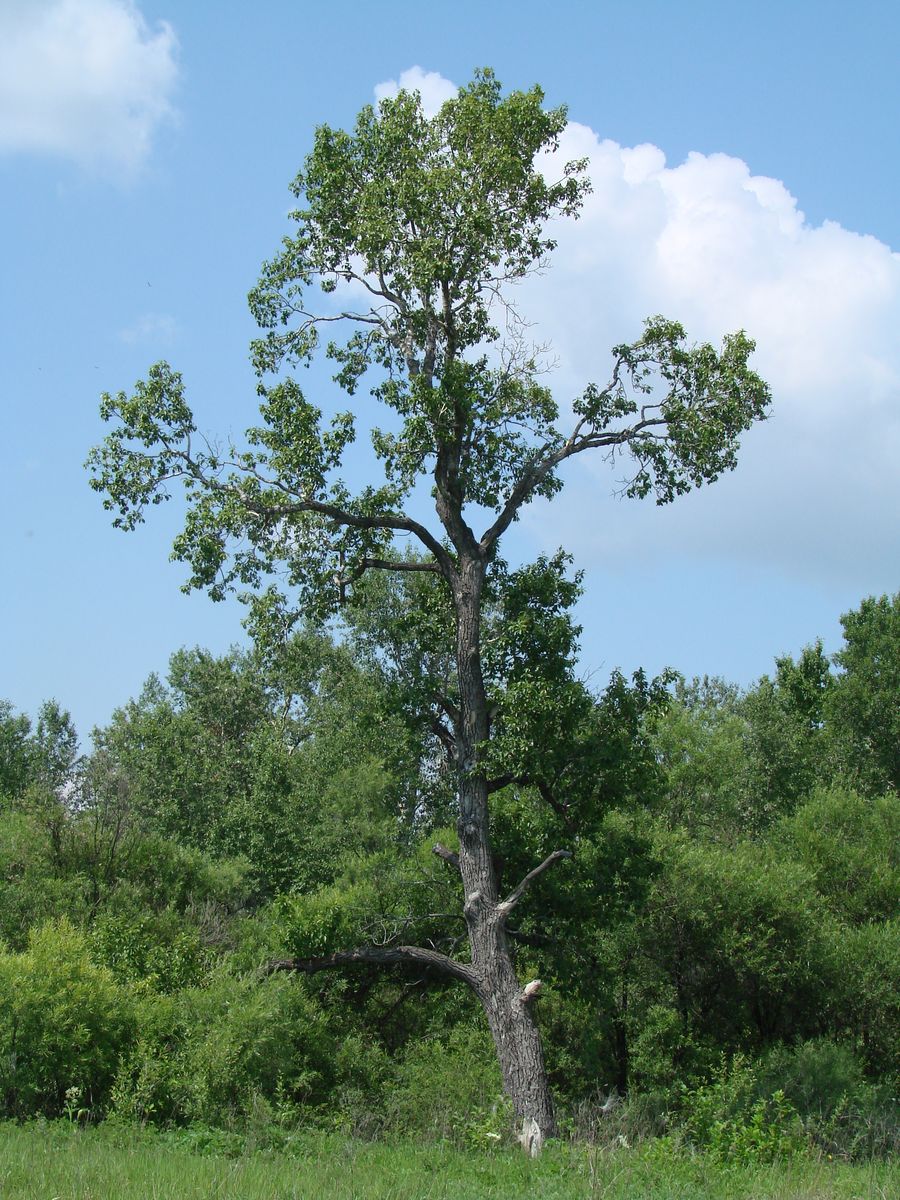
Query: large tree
415	228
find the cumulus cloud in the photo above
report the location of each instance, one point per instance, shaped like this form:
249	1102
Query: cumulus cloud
817	489
87	80
434	89
158	328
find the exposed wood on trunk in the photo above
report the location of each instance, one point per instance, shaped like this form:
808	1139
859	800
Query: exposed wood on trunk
512	1024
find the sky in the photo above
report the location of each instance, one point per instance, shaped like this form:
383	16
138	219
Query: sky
745	169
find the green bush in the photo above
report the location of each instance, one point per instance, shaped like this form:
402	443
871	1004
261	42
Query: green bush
63	1024
450	1087
148	1085
32	890
727	1118
736	940
362	1076
159	950
815	1076
844	1114
661	1049
850	844
867	999
219	1055
864	1124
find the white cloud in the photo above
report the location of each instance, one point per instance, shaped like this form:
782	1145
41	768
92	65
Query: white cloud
817	490
816	494
434	89
84	79
158	328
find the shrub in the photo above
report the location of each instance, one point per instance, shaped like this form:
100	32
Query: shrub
728	1118
867	1001
863	1124
159	950
843	1113
662	1049
32	891
216	1054
63	1024
849	844
815	1076
450	1087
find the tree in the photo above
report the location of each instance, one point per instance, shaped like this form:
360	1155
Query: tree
16	752
416	228
44	757
863	702
236	757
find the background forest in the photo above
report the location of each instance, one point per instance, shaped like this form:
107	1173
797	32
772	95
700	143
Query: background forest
720	956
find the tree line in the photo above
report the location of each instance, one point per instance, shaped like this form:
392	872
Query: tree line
730	903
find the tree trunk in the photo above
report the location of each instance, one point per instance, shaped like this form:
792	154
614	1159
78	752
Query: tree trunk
517	1041
508	1006
491	973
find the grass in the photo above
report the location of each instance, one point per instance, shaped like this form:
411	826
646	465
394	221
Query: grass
55	1161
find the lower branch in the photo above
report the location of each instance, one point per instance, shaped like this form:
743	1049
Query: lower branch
387	564
379	955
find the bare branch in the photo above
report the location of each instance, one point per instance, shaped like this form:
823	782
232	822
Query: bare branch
444	736
370	318
449	856
380	956
387	564
446	705
506	906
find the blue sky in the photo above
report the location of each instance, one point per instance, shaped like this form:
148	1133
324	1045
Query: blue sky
746	169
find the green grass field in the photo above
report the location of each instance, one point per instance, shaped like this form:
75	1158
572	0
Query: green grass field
58	1162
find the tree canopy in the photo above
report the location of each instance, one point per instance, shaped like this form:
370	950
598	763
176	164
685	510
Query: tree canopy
416	228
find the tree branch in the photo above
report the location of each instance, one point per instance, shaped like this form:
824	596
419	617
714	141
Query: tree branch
395	521
444	736
506	906
446	705
380	956
449	856
387	564
561	810
546	794
398	522
547	459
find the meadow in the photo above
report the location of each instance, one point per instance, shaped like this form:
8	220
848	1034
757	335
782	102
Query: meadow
59	1161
